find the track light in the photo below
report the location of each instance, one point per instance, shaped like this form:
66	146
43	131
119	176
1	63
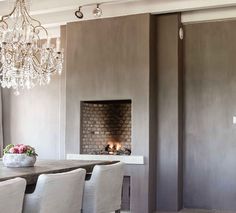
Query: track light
79	14
97	12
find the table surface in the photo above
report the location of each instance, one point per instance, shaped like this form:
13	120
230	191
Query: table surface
46	167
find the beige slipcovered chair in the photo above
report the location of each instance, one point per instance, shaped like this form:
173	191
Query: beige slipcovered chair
102	193
57	193
12	195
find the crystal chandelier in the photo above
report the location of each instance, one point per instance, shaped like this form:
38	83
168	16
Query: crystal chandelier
24	60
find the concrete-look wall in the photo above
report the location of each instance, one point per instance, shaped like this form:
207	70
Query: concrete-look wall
169	113
34	118
210	104
109	59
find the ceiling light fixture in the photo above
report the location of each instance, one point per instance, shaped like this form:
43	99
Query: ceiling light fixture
24	60
79	14
97	12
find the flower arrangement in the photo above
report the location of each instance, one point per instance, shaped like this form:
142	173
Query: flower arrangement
20	149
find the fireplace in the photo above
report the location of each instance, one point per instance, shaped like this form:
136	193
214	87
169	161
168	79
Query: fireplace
106	127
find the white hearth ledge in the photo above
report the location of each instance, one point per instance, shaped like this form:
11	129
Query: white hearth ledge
131	159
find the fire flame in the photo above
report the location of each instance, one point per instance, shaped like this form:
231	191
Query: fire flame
115	148
114	145
118	146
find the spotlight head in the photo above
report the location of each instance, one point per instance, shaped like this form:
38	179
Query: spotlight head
97	12
79	14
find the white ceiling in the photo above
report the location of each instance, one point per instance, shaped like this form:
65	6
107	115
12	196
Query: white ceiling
53	13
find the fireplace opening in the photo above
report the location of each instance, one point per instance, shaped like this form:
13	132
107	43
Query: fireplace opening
106	127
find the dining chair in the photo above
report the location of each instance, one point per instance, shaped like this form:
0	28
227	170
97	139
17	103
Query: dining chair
57	193
102	193
12	195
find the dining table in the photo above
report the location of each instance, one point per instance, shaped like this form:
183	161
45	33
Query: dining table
30	174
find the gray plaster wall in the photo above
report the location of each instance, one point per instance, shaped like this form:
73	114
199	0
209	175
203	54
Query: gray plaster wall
169	113
210	104
109	59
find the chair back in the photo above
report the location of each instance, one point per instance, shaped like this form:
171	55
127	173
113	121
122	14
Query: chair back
107	181
12	195
60	193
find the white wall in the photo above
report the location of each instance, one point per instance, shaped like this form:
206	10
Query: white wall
208	15
33	118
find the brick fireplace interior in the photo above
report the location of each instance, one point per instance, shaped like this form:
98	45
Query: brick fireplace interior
106	127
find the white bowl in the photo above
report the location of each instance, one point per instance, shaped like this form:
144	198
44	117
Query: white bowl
18	160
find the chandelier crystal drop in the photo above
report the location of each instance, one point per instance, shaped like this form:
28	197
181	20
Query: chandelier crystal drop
25	60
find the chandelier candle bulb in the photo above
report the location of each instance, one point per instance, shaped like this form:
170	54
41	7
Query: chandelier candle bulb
28	35
3	36
48	42
58	48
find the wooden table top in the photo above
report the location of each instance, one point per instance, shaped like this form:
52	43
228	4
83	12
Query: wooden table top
45	167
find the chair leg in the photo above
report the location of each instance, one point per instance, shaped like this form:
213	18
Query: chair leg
117	211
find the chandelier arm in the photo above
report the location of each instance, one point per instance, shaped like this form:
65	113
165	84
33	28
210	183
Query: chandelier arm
36	64
43	28
6	17
23	23
26	17
36	61
35	55
25	20
32	19
52	70
10	14
47	62
35	69
44	70
2	21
